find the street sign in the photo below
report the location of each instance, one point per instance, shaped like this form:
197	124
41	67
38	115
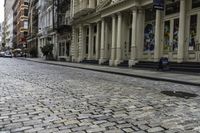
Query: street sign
158	4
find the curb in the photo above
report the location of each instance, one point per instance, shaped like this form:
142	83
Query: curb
120	73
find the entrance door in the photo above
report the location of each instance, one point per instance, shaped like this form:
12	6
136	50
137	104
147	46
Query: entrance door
170	43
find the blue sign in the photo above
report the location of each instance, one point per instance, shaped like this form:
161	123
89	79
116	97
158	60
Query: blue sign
158	4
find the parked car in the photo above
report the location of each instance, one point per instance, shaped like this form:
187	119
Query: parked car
8	55
2	54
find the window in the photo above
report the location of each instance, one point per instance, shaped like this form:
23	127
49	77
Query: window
25	3
25	24
172	7
195	3
175	35
149	31
193	32
25	12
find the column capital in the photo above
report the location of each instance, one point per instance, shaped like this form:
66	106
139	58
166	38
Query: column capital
119	14
134	9
140	10
113	15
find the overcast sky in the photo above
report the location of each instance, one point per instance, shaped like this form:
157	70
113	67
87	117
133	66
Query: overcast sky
1	10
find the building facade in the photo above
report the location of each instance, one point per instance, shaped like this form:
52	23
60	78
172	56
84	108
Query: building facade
32	38
118	31
8	21
54	27
20	23
63	29
46	21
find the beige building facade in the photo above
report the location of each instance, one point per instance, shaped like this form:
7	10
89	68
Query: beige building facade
117	31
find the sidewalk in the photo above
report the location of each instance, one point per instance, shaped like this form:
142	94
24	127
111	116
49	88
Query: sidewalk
187	79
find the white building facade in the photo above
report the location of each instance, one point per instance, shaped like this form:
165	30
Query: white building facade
117	31
8	19
45	24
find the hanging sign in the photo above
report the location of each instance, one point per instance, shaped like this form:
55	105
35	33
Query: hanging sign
158	4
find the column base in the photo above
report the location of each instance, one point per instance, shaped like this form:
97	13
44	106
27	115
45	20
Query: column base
101	61
112	62
132	63
80	60
180	60
156	60
117	62
74	59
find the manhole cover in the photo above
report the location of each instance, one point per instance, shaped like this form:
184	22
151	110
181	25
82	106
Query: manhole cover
179	94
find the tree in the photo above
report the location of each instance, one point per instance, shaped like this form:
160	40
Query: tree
33	52
47	51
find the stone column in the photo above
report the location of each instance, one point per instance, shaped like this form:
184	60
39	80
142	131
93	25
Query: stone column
113	52
97	41
91	4
102	58
132	61
98	2
157	36
80	44
84	2
74	45
181	33
90	51
119	40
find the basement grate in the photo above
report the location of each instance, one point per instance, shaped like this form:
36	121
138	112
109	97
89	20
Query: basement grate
180	94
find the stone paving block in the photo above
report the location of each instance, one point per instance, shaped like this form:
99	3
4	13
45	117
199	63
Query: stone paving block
155	129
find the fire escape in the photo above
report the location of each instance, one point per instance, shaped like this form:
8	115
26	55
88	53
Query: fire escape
62	24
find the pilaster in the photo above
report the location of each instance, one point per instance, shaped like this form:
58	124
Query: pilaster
97	41
102	56
132	61
113	48
181	33
119	40
90	50
157	36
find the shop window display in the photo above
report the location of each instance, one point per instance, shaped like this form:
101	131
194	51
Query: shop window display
175	35
149	31
167	45
193	32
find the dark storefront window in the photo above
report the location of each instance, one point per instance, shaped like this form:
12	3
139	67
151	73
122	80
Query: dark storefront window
175	35
149	31
172	7
193	32
67	49
195	3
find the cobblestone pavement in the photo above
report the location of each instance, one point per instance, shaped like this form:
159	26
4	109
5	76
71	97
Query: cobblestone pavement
53	99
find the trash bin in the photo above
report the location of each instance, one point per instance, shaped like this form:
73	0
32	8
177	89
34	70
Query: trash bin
163	64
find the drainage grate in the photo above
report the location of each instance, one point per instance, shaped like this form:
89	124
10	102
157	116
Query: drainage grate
179	94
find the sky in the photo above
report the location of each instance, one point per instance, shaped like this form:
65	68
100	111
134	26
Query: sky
1	10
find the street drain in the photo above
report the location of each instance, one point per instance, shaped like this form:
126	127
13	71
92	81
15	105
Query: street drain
179	94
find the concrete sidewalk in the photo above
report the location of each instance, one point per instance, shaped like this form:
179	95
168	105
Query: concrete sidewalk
188	79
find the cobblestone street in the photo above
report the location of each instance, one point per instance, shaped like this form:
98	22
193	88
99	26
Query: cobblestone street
54	99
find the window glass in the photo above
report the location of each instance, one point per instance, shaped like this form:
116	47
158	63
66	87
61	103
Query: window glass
193	32
195	3
167	46
172	7
149	31
175	35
